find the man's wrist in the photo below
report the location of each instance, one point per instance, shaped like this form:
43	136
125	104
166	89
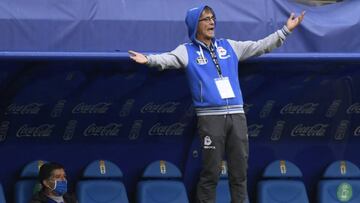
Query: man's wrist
147	60
285	30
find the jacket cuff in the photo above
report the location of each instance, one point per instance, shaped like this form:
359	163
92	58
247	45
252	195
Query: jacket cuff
148	60
286	30
283	32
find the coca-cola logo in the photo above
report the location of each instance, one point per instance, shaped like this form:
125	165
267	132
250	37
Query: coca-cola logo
99	108
43	130
111	129
254	130
167	130
32	108
168	107
317	130
308	108
357	131
354	109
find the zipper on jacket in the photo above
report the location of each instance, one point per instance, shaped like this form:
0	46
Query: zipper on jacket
227	106
201	92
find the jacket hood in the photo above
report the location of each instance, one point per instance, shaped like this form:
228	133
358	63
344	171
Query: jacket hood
192	20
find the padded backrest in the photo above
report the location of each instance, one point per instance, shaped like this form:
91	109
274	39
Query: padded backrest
341	183
31	170
161	184
102	169
104	191
28	183
2	194
282	184
161	169
282	169
342	169
102	184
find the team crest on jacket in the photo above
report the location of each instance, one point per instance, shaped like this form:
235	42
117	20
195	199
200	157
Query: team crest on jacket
201	60
222	53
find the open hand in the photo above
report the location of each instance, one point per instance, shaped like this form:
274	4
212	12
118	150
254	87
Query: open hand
138	57
293	21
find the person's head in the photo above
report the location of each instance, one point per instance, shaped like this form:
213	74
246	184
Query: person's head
53	179
206	26
201	24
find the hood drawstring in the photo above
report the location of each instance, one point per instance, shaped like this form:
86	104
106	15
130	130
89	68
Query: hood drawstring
212	49
201	52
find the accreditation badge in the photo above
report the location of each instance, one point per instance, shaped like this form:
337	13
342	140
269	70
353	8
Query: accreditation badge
224	87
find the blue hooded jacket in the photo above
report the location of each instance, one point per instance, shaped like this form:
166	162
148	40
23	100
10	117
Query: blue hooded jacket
202	72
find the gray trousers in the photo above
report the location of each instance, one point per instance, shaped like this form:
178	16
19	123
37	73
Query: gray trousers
223	135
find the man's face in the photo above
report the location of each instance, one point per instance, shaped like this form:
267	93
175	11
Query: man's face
206	26
57	174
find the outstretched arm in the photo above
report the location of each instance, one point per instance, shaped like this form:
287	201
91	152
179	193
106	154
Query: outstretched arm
175	59
247	49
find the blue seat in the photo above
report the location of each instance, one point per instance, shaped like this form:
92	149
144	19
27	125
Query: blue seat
101	183
341	183
222	189
161	184
2	195
282	184
28	183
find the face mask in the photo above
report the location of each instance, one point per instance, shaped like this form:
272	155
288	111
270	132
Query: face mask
60	187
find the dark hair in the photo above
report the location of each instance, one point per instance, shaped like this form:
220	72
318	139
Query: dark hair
47	169
209	9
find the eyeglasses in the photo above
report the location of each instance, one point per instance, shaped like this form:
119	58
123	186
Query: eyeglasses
208	19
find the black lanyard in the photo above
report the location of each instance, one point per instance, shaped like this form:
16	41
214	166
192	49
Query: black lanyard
215	60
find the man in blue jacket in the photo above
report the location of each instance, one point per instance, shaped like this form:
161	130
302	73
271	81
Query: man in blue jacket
212	70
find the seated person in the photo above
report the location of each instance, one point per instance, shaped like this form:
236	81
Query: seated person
53	185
